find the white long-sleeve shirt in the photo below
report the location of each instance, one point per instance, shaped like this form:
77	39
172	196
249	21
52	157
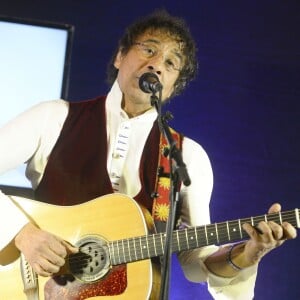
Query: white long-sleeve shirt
31	136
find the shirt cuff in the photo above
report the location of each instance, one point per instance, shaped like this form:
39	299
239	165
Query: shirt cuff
240	287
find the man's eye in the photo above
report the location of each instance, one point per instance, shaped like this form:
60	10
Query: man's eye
149	51
170	63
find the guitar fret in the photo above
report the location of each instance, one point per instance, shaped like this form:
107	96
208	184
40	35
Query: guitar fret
160	249
280	218
154	244
177	237
182	240
162	243
187	238
112	252
216	229
129	252
147	248
206	235
181	244
228	231
134	246
118	252
152	248
139	252
141	248
124	256
115	251
197	242
240	228
157	244
297	218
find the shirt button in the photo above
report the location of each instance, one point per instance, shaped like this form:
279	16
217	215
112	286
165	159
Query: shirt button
114	175
116	155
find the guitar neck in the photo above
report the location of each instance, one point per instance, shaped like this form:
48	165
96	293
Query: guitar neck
148	246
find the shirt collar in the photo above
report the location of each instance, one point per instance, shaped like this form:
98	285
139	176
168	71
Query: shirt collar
114	101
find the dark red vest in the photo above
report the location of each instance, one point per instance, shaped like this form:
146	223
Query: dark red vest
76	171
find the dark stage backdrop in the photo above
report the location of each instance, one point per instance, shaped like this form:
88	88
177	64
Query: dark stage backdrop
243	108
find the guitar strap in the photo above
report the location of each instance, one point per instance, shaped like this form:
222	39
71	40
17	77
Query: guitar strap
161	202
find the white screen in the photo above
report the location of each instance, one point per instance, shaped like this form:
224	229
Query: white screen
32	61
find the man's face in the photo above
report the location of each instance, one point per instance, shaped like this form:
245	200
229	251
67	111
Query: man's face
152	52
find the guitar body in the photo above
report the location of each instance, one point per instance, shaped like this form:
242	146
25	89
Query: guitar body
111	217
115	247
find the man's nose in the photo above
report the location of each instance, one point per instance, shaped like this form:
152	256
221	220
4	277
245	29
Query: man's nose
156	64
152	68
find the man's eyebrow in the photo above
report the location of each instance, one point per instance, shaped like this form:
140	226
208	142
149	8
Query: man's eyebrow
155	41
178	54
152	41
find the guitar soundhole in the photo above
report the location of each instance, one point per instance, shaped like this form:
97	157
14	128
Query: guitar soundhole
92	261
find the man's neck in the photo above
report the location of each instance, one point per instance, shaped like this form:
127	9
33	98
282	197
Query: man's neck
134	110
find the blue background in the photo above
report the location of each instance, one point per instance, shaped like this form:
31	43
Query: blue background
243	107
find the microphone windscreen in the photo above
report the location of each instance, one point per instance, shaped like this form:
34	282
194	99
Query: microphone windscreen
149	83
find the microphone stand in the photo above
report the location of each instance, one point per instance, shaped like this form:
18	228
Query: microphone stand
178	174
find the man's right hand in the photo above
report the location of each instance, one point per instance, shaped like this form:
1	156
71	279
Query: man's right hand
44	251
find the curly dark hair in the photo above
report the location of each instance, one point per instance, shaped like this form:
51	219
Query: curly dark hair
175	27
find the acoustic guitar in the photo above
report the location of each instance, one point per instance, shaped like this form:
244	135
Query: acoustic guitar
114	261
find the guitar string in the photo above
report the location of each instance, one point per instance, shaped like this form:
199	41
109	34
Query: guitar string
130	245
150	249
132	248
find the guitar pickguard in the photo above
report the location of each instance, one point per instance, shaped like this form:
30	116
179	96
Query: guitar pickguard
67	287
90	273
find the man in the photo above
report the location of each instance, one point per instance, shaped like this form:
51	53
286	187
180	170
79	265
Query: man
78	151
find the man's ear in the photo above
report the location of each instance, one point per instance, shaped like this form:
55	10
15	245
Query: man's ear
118	59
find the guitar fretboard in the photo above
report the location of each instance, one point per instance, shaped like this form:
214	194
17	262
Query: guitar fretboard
144	247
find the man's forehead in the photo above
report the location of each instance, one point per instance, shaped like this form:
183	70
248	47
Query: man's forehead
161	37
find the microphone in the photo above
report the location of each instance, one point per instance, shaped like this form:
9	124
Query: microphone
149	83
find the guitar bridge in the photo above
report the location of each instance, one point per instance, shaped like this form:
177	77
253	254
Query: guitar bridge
29	277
